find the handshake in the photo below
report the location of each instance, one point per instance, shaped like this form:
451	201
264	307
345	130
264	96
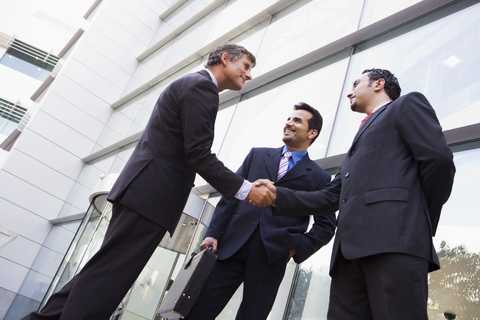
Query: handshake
263	193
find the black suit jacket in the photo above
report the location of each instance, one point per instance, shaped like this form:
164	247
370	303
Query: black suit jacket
159	175
234	221
391	187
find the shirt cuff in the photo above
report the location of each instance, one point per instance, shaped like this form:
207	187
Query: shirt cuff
244	190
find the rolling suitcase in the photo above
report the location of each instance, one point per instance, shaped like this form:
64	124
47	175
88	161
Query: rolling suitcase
179	300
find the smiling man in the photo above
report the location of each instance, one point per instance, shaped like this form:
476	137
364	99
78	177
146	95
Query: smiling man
152	190
254	247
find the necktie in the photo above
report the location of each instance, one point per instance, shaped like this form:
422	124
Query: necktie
365	119
283	166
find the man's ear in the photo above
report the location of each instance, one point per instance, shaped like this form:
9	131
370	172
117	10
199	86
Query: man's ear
225	58
312	133
379	84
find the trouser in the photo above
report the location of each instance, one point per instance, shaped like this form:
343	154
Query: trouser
388	286
260	278
96	291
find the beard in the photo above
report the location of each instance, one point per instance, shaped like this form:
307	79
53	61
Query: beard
354	106
286	139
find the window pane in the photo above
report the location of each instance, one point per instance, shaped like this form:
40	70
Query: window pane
28	60
376	10
312	289
260	117
439	59
304	27
456	286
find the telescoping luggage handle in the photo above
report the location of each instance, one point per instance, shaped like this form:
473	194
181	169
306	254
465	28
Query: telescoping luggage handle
193	255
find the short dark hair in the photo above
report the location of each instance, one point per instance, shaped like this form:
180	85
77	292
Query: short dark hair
233	51
315	122
392	87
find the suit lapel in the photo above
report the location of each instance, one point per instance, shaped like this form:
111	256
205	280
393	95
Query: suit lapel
272	161
368	123
299	170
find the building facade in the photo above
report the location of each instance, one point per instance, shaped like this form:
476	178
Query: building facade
86	119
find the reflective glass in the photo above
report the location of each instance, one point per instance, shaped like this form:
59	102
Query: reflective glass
304	27
376	10
438	59
26	64
455	288
260	117
235	14
312	287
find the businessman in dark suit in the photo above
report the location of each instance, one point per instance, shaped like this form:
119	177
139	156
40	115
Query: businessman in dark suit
152	190
254	247
390	190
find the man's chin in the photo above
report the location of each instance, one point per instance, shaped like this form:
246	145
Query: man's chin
286	139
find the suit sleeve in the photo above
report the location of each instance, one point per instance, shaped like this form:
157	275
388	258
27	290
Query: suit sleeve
226	207
419	127
304	203
319	235
198	111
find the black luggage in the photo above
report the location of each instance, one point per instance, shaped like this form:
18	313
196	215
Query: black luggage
179	300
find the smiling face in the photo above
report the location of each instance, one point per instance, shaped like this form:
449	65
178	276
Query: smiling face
296	135
235	73
361	94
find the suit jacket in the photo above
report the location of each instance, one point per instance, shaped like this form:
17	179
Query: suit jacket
159	175
391	187
234	221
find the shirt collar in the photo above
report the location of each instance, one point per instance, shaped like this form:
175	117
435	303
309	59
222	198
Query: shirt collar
213	77
381	105
296	155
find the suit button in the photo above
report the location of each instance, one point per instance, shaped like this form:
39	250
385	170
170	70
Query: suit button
256	223
265	208
351	152
347	174
344	199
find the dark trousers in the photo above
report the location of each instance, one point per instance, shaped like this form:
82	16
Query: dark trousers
97	290
389	286
260	279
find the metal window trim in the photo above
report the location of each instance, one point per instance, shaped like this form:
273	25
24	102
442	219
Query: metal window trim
238	30
385	25
184	26
71	42
91	9
171	9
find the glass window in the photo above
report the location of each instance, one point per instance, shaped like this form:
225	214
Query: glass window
236	13
304	27
312	287
438	59
260	117
28	60
455	287
376	10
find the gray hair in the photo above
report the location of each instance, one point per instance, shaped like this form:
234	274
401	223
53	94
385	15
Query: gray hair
233	51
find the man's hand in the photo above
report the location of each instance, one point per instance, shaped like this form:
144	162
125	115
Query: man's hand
260	194
260	183
209	242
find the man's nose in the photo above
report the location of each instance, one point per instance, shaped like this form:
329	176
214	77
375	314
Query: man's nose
249	75
350	95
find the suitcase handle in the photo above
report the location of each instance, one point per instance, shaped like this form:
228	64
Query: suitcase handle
193	255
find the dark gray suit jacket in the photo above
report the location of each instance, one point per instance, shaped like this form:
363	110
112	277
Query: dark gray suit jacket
391	187
234	221
159	175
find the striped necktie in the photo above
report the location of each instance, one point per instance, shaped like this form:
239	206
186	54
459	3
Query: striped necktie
283	166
